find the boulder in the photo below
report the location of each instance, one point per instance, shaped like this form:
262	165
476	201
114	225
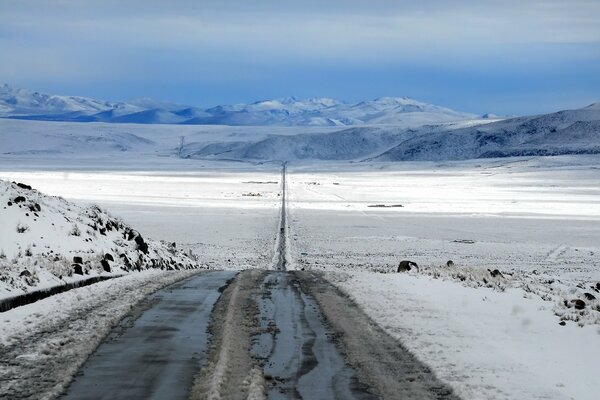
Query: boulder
105	265
589	296
109	257
406	266
578	304
78	260
77	269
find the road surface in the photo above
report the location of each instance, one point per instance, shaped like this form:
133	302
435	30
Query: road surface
155	355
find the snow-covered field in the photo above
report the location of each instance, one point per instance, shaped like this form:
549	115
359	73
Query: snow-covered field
228	217
536	220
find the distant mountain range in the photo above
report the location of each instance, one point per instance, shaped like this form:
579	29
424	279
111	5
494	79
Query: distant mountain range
290	111
385	129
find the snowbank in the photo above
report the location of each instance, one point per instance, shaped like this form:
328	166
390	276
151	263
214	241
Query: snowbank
486	344
47	241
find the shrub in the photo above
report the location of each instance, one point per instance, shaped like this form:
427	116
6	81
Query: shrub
75	231
22	228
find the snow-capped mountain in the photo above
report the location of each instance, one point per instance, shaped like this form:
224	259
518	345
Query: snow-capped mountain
289	111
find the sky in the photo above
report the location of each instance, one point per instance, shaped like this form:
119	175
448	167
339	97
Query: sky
506	57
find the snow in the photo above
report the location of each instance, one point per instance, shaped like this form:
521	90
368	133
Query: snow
288	111
40	236
534	219
484	343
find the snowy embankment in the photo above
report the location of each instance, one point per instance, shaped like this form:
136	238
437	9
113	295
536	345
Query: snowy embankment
486	344
47	242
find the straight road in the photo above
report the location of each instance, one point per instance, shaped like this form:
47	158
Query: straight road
282	234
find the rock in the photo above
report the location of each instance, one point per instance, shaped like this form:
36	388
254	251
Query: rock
598	285
78	260
131	235
109	257
406	265
103	231
578	304
19	199
450	263
105	265
562	323
23	186
141	245
495	273
589	296
77	269
9	203
25	273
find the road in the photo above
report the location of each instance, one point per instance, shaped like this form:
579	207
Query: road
282	234
154	352
260	333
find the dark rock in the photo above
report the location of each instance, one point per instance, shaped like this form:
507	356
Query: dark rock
23	186
131	235
141	245
25	273
589	296
77	269
450	263
406	265
562	323
78	260
9	203
103	231
109	257
37	207
19	199
578	304
105	265
495	273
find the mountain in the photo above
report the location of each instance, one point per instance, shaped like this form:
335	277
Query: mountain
563	132
289	111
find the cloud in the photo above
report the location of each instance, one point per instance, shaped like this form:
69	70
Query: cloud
244	42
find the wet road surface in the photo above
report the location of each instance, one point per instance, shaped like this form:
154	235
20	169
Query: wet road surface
156	355
301	360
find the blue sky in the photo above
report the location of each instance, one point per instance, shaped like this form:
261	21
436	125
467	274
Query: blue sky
506	57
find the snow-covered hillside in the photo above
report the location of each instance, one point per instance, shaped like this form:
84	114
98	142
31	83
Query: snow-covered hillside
47	241
289	111
563	132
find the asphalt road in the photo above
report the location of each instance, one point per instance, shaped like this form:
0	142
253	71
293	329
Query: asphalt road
154	352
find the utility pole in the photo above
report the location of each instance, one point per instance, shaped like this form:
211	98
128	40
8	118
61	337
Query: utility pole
181	143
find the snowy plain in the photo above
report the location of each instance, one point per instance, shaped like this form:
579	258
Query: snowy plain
535	219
